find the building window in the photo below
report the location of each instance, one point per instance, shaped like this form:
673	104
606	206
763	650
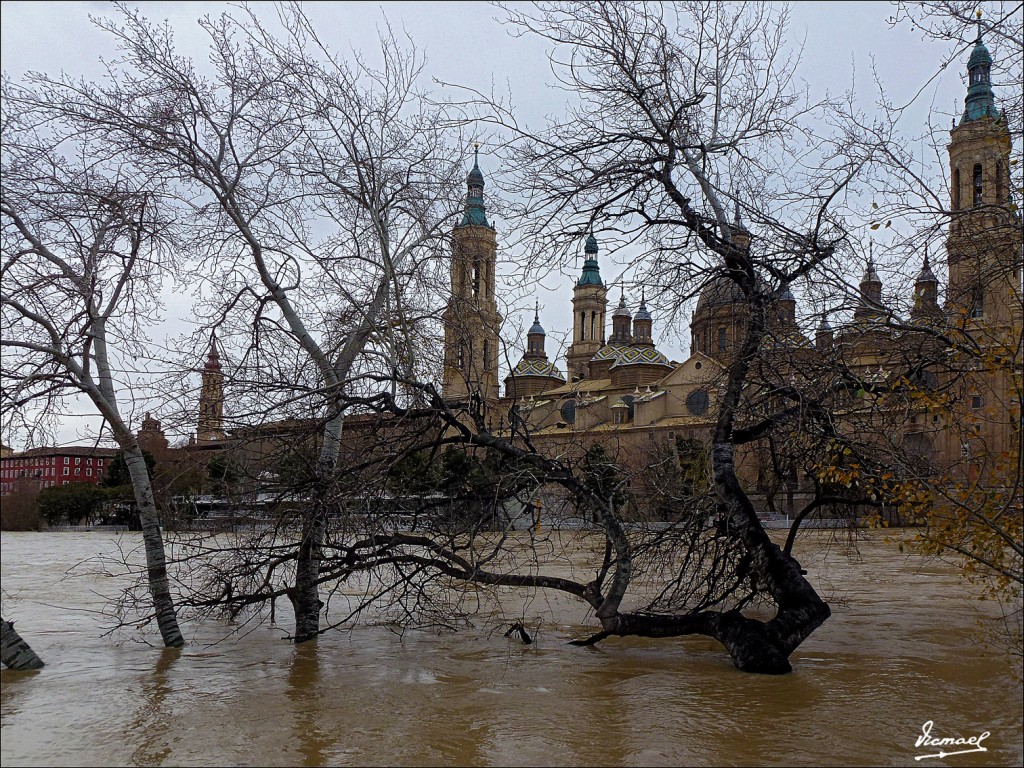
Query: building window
88	471
487	355
66	461
976	402
723	340
99	462
476	277
78	460
78	471
67	472
956	189
977	184
977	302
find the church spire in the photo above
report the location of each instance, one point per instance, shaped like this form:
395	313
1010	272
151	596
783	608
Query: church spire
622	322
213	355
535	337
980	101
739	234
926	291
642	323
211	396
591	270
475	215
870	304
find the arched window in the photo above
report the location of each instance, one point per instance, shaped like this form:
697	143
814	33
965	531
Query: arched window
1000	193
593	325
977	184
723	339
956	189
487	355
476	277
977	302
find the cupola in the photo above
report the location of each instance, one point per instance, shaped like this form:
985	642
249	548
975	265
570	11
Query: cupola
870	303
980	101
591	271
642	325
622	321
475	215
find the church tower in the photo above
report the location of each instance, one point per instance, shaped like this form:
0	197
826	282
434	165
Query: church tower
589	302
926	294
869	302
984	297
984	243
471	320
211	397
534	373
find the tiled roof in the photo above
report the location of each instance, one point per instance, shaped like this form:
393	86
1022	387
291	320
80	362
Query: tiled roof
537	368
640	356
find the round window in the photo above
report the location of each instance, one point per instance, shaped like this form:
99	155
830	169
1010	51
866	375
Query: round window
697	402
568	411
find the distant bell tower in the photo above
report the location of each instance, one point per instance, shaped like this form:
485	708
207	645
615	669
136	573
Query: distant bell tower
589	303
471	320
211	397
984	242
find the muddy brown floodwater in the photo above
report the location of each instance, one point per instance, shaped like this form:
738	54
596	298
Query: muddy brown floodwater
901	649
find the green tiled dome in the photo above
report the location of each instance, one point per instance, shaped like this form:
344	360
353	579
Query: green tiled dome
537	368
640	356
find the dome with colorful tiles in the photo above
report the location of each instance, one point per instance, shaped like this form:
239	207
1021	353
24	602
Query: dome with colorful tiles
640	356
528	367
608	352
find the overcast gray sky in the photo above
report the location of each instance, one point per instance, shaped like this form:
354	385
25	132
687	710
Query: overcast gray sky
465	43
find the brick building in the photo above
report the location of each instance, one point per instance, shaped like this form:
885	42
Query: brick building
55	466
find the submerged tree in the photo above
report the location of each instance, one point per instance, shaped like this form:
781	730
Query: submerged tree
82	243
687	120
317	193
15	653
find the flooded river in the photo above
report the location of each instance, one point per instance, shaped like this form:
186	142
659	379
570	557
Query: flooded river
901	649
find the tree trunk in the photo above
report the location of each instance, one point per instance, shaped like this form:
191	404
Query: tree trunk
759	646
305	595
15	653
156	561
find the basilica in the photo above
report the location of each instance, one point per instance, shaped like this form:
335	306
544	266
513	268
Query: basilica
949	372
620	391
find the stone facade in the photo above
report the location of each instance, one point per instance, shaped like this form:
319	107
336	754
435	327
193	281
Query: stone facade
622	393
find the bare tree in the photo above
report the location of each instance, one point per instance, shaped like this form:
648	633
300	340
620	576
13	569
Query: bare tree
688	119
318	192
82	260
